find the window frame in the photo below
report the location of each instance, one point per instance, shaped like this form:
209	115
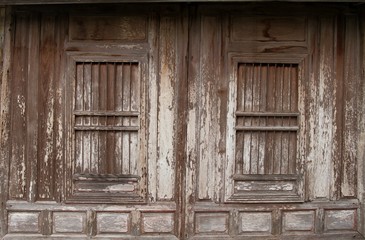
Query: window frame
297	195
139	195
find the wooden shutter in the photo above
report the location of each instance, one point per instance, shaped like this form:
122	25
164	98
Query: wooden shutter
106	156
264	126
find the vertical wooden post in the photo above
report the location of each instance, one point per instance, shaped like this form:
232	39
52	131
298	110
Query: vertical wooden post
4	116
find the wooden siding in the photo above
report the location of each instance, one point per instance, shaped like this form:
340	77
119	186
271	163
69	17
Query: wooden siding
171	121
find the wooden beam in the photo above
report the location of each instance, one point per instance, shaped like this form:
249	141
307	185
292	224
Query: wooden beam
39	2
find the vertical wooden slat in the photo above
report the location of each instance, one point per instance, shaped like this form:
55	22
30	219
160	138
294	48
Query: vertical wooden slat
17	187
351	82
79	106
126	121
94	168
166	109
135	106
59	119
110	146
209	106
87	104
47	78
32	109
321	113
119	121
102	120
5	115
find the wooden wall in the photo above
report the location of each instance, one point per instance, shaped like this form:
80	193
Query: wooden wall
184	156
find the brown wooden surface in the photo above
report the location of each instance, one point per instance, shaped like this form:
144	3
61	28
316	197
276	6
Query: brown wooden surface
176	122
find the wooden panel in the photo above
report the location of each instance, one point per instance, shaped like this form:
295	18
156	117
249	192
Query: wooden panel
158	222
112	222
340	220
301	221
350	128
208	107
69	222
320	113
101	28
211	223
23	222
165	175
268	28
48	75
18	178
255	222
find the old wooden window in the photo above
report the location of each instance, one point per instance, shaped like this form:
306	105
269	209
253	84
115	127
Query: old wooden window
106	156
266	118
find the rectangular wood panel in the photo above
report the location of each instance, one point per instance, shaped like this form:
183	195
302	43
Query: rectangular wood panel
268	28
102	28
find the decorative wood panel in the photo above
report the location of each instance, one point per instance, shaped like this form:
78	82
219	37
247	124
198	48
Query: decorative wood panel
157	222
255	223
341	220
257	28
69	222
113	223
23	222
102	28
298	221
211	223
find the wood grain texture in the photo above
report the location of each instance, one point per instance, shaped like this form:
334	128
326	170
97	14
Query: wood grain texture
103	28
5	100
173	131
166	109
23	222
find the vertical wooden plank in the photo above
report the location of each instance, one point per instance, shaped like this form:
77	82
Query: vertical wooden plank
32	109
110	146
321	114
286	95
271	104
361	125
151	100
59	125
192	120
119	121
351	83
46	98
293	107
134	106
87	104
17	188
79	106
94	159
126	121
5	117
209	107
103	121
166	109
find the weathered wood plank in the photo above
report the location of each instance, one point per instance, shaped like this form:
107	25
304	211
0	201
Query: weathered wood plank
5	90
208	107
18	171
46	99
321	117
102	28
351	83
166	109
32	109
